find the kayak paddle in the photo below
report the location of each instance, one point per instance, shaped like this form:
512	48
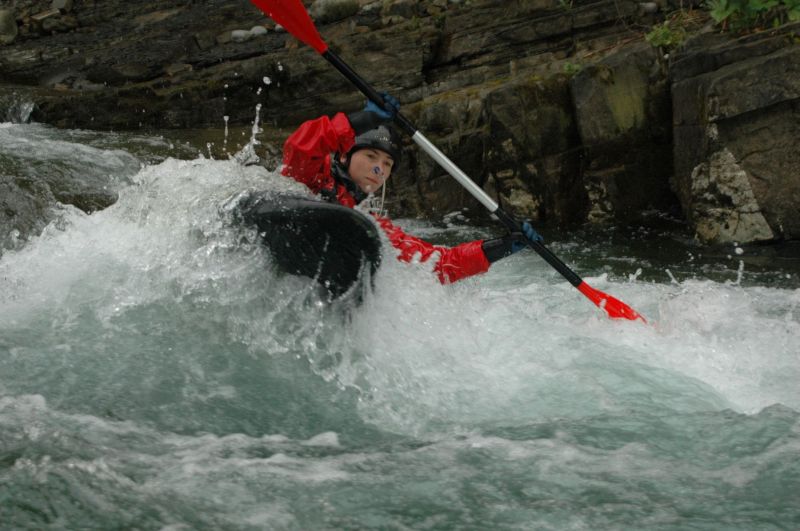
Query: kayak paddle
292	15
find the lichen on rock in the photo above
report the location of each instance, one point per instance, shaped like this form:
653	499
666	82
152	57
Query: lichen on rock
725	209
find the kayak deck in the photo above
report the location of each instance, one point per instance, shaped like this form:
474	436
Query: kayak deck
332	244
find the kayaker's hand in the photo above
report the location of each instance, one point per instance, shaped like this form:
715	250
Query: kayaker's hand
363	121
531	233
390	107
511	243
373	116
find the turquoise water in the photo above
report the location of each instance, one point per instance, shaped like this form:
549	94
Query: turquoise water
156	373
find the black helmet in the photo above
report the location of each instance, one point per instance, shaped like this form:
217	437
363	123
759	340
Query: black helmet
383	137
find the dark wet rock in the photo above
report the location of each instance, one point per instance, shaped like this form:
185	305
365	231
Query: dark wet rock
65	6
560	110
403	9
176	65
8	27
622	108
28	203
42	170
25	209
14	108
532	134
327	11
736	121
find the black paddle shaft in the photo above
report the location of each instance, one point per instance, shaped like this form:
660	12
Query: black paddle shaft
366	89
507	220
514	226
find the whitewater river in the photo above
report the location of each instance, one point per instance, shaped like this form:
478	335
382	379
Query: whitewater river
156	373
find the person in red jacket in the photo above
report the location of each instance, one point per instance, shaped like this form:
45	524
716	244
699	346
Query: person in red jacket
347	157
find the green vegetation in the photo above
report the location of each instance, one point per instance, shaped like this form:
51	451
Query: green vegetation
571	68
749	15
667	35
735	16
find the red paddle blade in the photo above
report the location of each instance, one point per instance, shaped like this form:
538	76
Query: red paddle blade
615	308
294	18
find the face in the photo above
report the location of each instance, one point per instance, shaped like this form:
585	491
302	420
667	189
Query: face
370	168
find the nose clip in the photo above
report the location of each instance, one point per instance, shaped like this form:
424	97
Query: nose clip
378	172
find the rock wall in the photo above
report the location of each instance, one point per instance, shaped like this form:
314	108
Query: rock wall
558	109
737	172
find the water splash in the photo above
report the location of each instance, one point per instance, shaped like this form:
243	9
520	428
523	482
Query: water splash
15	109
20	113
155	371
247	155
225	137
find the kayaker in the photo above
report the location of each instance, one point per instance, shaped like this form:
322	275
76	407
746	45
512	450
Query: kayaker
348	157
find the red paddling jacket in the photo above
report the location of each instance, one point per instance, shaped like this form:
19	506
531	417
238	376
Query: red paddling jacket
307	158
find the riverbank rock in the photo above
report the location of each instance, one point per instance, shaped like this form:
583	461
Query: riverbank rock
622	109
532	133
736	120
8	27
150	65
561	111
327	11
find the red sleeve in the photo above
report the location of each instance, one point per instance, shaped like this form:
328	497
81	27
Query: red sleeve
454	263
307	151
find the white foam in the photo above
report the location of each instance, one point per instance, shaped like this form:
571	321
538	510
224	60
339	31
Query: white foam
516	345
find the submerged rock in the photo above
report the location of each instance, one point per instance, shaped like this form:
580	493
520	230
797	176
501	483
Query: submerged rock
25	209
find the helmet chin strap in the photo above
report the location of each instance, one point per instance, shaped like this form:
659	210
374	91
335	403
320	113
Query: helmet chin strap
381	211
377	171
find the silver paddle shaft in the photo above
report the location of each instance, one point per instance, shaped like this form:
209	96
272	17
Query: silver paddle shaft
476	191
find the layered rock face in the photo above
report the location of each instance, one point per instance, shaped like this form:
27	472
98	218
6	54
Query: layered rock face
736	121
558	109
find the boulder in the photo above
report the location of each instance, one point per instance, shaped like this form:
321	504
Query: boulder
25	209
724	208
327	11
736	120
14	109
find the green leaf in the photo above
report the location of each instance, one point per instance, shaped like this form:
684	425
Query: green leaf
762	5
720	10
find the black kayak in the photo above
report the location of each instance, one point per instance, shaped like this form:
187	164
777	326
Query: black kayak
337	246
